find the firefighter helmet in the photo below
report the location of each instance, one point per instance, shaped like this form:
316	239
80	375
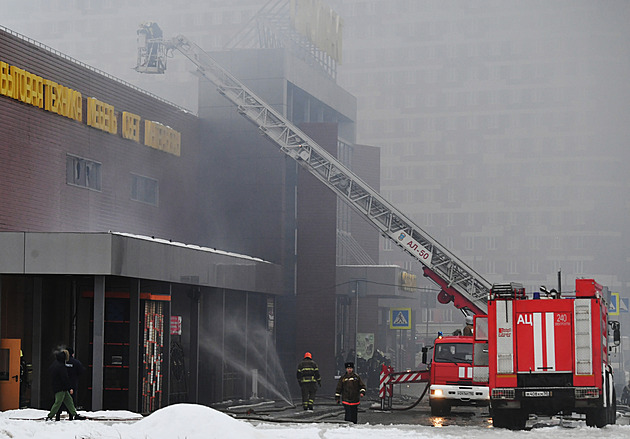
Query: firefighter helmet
308	355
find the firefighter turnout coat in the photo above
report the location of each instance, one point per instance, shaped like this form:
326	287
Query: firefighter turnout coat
350	388
308	372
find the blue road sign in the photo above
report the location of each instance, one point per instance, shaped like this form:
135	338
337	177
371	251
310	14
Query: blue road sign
400	318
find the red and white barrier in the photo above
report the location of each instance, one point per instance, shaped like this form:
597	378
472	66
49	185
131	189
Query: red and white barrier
389	378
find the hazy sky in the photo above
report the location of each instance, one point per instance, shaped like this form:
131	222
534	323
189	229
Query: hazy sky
503	124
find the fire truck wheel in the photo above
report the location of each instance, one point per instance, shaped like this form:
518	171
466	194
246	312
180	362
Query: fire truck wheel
500	418
509	418
597	417
440	408
612	418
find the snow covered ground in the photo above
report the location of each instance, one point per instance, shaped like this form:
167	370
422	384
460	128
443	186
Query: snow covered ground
189	421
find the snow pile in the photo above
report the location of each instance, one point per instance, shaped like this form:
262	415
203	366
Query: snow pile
190	421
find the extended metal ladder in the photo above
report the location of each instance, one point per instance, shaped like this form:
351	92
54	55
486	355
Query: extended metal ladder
453	275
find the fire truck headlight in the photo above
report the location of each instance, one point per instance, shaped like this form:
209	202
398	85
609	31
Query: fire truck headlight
437	392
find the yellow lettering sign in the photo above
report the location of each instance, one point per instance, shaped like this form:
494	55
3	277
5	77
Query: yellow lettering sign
409	281
6	82
36	86
61	100
320	24
131	126
34	90
101	116
50	96
77	100
162	137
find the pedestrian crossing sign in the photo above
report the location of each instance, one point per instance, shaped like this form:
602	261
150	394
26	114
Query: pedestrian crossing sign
613	307
617	304
400	318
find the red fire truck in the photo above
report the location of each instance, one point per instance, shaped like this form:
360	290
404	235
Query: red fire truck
548	354
452	382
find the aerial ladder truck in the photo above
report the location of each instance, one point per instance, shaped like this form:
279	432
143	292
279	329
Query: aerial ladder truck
465	378
458	282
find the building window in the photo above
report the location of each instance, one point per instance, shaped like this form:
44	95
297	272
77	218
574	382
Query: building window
579	242
450	242
82	172
450	221
513	216
512	267
451	196
470	219
556	243
534	243
579	267
491	267
144	189
470	243
448	315
427	315
387	245
491	242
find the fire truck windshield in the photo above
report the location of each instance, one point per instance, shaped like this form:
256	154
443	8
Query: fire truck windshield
453	353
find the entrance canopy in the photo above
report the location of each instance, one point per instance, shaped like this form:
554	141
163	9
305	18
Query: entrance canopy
142	257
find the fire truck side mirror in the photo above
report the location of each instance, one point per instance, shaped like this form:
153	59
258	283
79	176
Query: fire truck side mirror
425	351
616	333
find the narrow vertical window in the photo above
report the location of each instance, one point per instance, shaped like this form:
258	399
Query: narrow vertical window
83	172
144	189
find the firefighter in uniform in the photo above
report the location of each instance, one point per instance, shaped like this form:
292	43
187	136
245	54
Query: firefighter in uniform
308	378
468	329
350	390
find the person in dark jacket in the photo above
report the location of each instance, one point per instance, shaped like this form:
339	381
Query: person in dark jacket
308	377
350	390
75	369
625	394
468	329
61	386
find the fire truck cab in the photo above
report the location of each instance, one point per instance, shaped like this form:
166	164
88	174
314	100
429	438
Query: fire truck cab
451	376
549	355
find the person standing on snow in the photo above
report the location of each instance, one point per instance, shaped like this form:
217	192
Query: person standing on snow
350	390
75	368
61	386
308	377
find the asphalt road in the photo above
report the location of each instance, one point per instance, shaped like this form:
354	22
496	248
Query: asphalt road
421	414
403	411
